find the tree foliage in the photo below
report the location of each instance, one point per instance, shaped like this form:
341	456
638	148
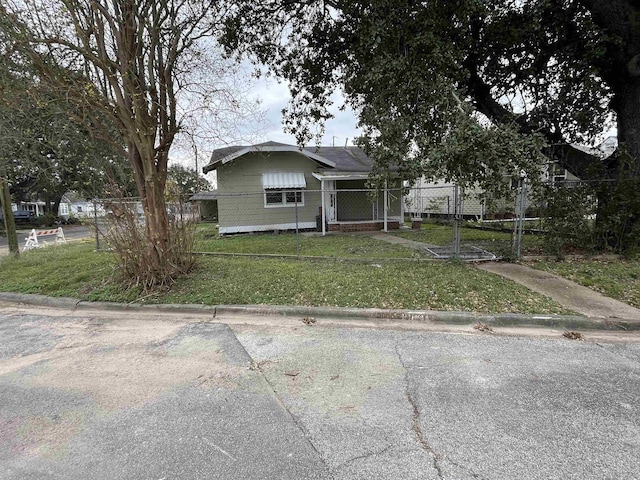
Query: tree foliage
46	153
187	180
44	150
466	90
136	64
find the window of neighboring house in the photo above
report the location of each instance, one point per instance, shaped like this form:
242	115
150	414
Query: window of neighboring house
79	208
64	209
559	173
283	198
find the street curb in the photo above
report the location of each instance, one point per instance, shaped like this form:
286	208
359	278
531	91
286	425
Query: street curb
378	315
37	299
374	315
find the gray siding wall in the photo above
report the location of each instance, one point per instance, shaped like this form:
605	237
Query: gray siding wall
244	175
361	206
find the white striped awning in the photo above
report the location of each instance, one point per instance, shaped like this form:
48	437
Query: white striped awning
283	180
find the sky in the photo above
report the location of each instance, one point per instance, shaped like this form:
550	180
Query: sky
275	96
272	96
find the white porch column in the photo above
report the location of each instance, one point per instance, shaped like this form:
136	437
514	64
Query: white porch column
401	204
385	206
324	207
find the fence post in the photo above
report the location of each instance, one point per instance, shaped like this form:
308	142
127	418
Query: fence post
95	225
456	220
323	200
295	195
519	220
385	199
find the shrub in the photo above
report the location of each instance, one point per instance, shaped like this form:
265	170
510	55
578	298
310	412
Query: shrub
136	258
569	218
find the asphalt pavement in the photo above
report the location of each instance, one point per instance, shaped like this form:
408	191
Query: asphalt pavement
83	398
117	394
71	232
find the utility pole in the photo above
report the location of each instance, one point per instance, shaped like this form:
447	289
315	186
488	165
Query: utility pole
9	221
195	151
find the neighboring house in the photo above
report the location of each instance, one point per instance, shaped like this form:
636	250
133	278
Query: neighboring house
273	186
36	208
437	199
208	205
74	206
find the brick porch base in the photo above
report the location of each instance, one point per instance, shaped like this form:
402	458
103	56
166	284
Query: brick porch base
362	227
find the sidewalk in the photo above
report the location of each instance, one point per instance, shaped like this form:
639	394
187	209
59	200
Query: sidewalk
569	294
467	252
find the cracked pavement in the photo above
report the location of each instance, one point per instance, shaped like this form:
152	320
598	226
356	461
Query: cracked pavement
401	404
122	396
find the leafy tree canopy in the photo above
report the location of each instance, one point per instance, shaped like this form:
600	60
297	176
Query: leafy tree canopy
44	150
187	180
466	90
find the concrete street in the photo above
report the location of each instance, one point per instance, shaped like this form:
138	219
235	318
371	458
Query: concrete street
132	395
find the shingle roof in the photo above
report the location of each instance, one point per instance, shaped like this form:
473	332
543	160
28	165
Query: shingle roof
348	159
210	195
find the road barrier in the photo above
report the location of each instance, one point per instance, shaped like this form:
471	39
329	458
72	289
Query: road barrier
32	239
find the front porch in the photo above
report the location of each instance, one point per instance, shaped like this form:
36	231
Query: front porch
348	206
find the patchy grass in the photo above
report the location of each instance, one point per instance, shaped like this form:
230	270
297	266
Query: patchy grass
438	286
618	279
311	244
78	271
72	270
441	234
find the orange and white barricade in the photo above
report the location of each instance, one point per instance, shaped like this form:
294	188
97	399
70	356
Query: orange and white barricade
32	239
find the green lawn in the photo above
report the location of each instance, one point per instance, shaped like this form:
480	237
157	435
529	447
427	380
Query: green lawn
441	234
76	270
618	279
311	244
72	270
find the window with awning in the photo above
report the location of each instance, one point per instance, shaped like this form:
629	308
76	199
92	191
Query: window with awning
283	181
283	189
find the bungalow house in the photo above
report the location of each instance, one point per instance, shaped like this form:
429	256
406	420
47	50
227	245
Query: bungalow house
274	186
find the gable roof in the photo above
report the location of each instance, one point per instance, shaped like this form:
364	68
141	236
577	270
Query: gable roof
348	159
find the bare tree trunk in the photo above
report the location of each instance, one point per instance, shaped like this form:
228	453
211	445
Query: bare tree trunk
151	185
157	220
627	106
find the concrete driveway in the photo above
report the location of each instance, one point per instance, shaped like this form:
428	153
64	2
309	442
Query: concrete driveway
132	397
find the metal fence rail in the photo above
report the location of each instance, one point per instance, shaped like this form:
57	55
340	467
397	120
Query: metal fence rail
441	221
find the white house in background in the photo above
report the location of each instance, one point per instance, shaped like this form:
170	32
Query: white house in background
74	206
80	209
437	199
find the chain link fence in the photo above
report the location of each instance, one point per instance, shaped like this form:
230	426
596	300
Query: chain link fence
440	221
436	222
105	215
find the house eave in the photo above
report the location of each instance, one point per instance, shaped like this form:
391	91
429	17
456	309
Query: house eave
268	149
340	176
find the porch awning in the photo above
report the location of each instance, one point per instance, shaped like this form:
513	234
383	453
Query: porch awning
341	176
283	180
